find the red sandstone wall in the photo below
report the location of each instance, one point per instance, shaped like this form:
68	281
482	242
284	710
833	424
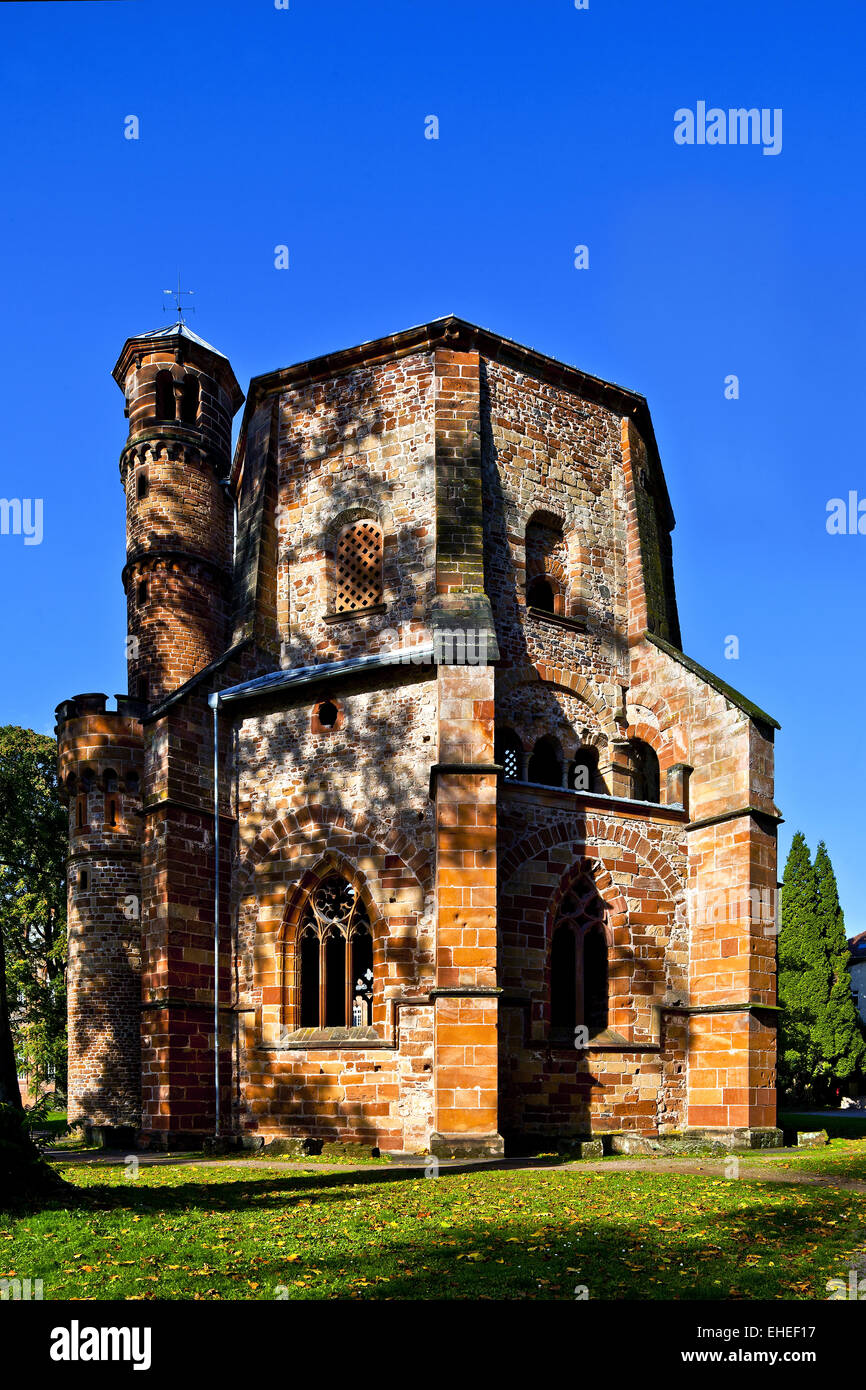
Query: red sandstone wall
359	445
103	910
308	804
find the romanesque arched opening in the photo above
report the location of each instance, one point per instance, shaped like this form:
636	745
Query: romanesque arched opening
583	773
645	777
165	403
189	398
545	763
546	563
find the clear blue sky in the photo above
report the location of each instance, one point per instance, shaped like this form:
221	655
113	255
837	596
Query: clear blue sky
306	127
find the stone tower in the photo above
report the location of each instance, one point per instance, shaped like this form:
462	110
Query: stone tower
115	767
100	764
181	396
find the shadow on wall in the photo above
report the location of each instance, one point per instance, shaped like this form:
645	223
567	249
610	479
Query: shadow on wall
366	755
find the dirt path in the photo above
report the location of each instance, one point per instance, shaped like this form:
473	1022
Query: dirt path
768	1169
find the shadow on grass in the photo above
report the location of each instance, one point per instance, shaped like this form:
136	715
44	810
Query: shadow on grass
617	1238
839	1124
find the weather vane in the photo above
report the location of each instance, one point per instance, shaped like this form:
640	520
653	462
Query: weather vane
176	295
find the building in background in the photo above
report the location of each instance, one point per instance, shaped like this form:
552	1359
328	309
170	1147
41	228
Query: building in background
857	967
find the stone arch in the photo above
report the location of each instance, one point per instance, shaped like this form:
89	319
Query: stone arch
374	510
598	831
597	843
272	839
664	744
557	676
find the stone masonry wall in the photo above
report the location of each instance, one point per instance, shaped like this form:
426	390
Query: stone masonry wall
354	800
100	765
354	447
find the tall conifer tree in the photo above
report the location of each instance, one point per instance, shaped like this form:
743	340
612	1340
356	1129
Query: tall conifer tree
803	975
839	1034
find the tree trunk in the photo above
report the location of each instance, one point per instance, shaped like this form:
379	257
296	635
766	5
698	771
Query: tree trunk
9	1092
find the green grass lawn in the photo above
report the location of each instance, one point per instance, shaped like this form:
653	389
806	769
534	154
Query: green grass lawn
53	1124
251	1233
841	1158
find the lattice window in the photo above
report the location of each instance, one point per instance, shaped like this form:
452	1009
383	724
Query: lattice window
578	961
336	958
508	753
359	567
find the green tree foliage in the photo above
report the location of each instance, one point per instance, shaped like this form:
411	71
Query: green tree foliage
799	971
820	1041
840	1037
32	908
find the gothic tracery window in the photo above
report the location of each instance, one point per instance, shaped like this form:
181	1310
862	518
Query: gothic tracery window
358	578
335	948
578	961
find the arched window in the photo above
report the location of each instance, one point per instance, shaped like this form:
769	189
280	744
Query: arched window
141	483
189	400
546	563
545	764
646	783
539	594
578	962
583	775
82	805
109	788
508	752
335	950
358	578
165	405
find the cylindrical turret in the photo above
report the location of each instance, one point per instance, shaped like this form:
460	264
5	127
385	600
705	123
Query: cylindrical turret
181	396
100	768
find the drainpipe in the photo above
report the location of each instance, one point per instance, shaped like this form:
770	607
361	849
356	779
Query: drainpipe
213	701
